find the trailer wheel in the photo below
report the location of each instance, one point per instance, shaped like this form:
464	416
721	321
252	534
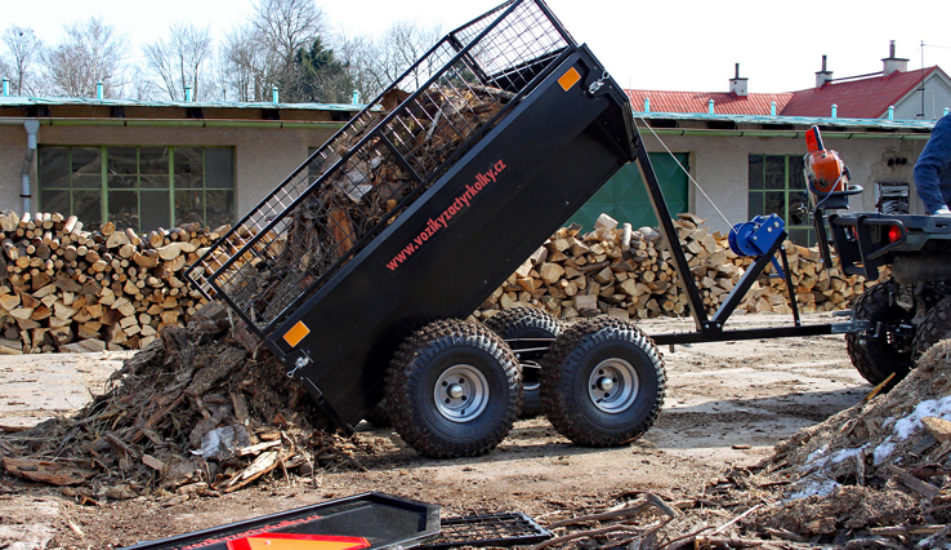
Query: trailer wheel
881	350
453	389
527	322
934	327
604	382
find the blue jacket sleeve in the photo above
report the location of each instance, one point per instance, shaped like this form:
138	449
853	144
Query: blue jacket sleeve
934	161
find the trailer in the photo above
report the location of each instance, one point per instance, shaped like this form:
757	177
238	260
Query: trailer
359	270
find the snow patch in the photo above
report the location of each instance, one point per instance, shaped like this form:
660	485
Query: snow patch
908	425
846	454
819	487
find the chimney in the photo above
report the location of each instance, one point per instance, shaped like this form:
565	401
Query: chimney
738	85
824	75
892	63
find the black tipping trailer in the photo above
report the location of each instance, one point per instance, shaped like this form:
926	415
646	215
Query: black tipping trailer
358	269
355	270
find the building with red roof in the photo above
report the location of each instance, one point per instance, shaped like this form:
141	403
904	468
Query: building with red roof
909	94
894	92
731	155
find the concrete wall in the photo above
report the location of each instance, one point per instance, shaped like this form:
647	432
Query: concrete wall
720	166
263	156
12	154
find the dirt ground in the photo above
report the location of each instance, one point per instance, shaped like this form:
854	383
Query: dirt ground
727	405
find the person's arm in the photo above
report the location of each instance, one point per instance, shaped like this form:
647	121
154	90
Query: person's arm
934	159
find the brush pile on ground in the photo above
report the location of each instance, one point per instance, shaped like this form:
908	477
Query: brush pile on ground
193	411
879	471
877	475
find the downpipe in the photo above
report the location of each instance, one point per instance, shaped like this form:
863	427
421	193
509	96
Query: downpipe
26	190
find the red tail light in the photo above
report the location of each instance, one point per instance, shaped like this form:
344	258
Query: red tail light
894	233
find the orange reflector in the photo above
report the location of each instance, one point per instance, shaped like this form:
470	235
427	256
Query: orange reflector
296	334
569	79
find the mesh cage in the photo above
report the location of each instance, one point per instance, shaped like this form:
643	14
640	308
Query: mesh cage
369	172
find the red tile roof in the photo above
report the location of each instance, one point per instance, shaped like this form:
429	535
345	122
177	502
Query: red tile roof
863	98
697	102
867	98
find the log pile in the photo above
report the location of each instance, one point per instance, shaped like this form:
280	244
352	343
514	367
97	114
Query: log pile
64	288
630	274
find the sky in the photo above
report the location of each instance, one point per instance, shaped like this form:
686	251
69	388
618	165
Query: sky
689	45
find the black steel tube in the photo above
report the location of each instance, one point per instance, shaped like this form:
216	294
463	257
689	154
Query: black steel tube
745	334
656	196
789	287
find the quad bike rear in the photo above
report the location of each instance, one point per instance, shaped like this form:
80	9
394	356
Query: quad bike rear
910	309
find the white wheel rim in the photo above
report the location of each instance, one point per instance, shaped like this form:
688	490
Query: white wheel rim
461	393
613	385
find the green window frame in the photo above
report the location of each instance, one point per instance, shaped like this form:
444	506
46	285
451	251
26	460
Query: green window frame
142	187
777	185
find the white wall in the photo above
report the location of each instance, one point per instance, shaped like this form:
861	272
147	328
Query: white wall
12	153
937	98
263	156
720	166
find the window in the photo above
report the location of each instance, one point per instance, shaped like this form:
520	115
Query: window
776	185
138	187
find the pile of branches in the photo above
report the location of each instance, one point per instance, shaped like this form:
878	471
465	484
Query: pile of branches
193	411
877	475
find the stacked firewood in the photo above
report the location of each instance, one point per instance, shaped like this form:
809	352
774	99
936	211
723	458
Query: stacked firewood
631	274
64	288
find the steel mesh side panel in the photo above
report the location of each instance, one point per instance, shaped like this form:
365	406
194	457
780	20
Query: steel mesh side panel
236	245
369	173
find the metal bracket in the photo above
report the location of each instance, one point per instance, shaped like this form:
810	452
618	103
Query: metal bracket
847	327
597	84
300	363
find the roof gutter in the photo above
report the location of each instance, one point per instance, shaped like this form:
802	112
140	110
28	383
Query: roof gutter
175	123
793	134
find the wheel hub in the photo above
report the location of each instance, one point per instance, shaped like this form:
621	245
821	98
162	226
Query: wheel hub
461	393
606	384
613	385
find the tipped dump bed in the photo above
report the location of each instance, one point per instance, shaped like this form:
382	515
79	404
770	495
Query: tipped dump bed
424	203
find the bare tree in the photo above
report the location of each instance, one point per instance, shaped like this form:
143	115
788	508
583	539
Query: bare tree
179	58
375	63
262	54
91	53
24	49
244	66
